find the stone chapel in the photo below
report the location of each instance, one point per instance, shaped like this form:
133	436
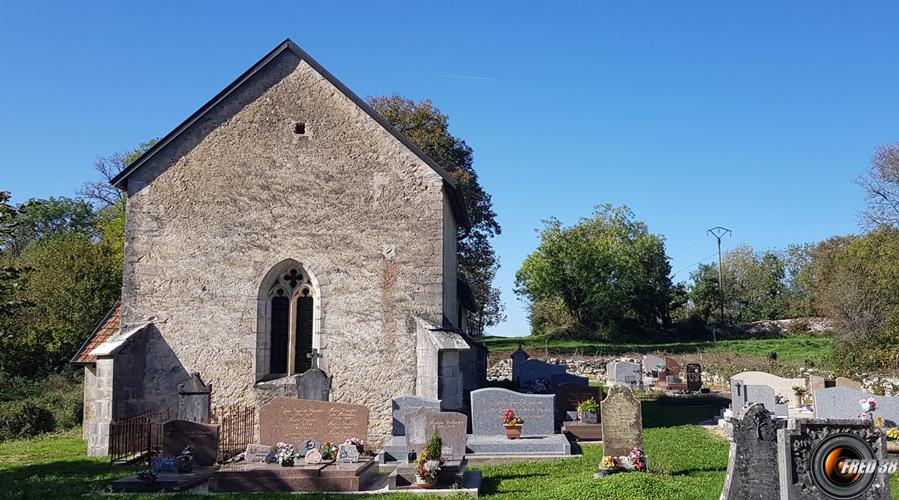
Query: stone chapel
285	224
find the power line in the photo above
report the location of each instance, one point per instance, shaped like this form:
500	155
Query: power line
694	264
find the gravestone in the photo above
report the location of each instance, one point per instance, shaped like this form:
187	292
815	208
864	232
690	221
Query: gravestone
816	382
752	471
568	396
256	453
843	402
559	379
292	420
417	428
314	384
347	454
194	400
518	357
622	422
452	427
532	370
488	405
803	450
402	404
625	373
308	444
780	385
742	394
313	457
848	382
672	367
203	438
694	377
652	365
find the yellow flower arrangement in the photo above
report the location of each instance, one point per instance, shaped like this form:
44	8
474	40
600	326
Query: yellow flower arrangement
893	434
608	462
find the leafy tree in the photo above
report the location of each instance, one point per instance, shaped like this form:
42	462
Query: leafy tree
607	271
754	287
857	284
881	185
36	219
428	129
73	283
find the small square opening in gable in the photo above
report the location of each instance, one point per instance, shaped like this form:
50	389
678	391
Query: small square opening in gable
299	128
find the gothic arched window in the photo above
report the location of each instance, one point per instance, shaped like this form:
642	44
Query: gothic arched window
291	301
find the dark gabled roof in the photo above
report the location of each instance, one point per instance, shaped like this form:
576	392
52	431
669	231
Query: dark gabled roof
108	327
451	183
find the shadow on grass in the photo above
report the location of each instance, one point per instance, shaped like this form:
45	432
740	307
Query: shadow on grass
671	412
63	479
490	484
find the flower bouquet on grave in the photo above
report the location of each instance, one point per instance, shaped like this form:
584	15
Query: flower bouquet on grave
607	465
779	399
185	461
799	392
637	459
285	454
587	411
868	407
512	424
429	463
329	451
146	477
358	443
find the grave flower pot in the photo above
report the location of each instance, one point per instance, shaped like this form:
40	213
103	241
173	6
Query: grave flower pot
421	483
588	417
513	431
893	446
287	463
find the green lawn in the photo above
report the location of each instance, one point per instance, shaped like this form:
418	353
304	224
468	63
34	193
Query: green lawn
790	350
685	462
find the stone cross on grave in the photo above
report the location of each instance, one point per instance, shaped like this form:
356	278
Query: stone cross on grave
314	356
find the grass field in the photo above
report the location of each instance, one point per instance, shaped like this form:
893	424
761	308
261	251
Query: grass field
791	350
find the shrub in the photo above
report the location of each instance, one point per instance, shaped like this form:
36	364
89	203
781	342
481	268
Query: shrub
23	419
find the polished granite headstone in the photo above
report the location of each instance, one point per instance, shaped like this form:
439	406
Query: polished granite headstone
402	404
293	420
488	405
202	438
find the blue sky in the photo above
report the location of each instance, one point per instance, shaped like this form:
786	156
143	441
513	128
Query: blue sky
695	114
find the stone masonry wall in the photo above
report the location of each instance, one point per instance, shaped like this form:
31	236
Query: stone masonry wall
239	193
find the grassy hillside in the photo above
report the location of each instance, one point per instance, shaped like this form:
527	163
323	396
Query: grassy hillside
793	350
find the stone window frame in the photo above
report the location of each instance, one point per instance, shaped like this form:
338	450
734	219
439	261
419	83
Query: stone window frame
269	285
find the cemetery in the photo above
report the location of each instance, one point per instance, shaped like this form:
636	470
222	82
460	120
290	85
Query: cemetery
294	292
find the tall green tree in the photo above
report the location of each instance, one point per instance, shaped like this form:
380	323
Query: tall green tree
857	284
754	287
428	129
36	219
604	272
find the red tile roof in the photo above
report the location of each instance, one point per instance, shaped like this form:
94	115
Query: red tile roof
108	327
